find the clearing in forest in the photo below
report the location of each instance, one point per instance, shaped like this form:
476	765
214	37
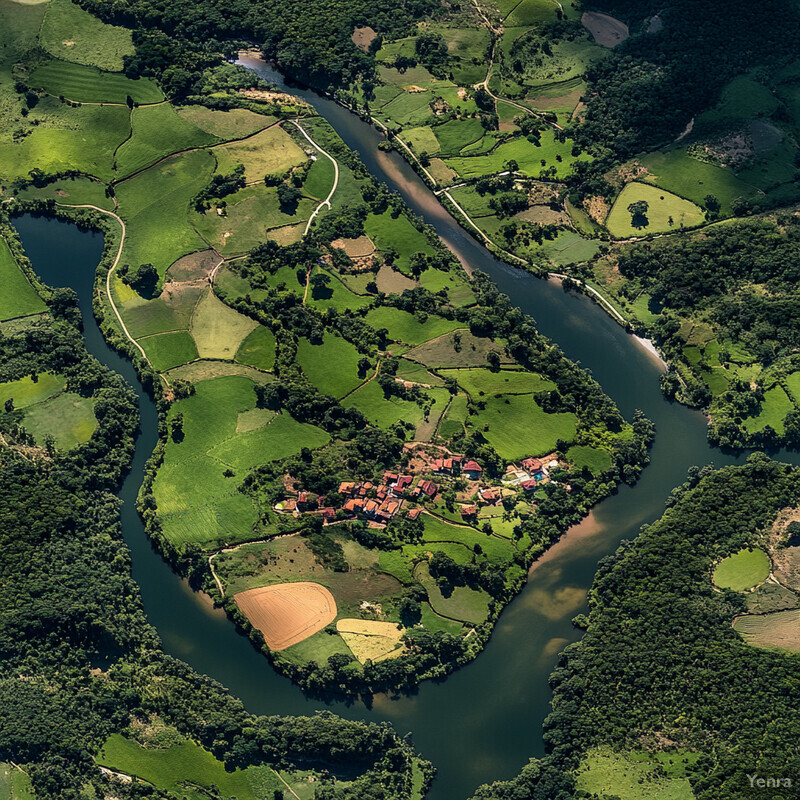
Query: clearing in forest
742	570
289	612
779	630
606	30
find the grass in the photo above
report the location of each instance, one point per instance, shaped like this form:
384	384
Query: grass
155	206
528	156
171	311
258	349
72	191
158	131
398	234
14	784
370	401
635	776
249	216
518	427
82	139
68	418
25	391
187	770
569	248
663	207
167	350
18	298
743	98
405	327
72	34
678	172
774	408
594	459
337	294
217	329
453	421
480	382
463	604
445	351
772	631
530	12
422	139
495	550
742	570
319	179
234	123
409	109
85	84
455	135
271	152
331	366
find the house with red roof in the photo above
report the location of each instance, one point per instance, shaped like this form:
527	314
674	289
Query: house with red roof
473	470
414	513
428	488
469	512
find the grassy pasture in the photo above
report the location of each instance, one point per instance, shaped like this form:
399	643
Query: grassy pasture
250	214
65	138
67	417
168	350
405	327
530	12
663	206
72	34
456	283
176	769
635	776
445	352
792	382
171	311
498	551
234	123
72	191
780	630
455	135
337	294
676	171
319	179
18	298
14	784
258	349
595	459
409	109
463	604
86	84
518	427
422	139
271	152
479	382
569	248
743	98
370	401
399	234
453	421
158	131
331	366
25	392
774	408
217	329
742	570
155	203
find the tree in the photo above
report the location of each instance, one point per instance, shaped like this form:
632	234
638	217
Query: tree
144	279
288	198
638	212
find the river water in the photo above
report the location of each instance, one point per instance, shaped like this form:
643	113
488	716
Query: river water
483	722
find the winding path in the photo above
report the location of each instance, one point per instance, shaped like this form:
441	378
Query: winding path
327	200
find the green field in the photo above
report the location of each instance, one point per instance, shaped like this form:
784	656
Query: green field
455	135
398	234
70	191
218	330
379	410
85	84
518	427
464	603
271	152
258	349
636	776
479	382
188	771
168	350
496	550
17	298
742	570
774	408
72	34
594	459
331	366
666	212
155	205
233	123
26	391
405	327
158	131
14	784
529	12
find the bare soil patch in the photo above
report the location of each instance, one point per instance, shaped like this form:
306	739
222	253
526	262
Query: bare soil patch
544	215
362	37
391	281
445	351
289	612
780	630
355	248
606	30
194	267
441	172
785	560
369	639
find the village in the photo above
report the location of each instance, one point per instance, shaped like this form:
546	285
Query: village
430	472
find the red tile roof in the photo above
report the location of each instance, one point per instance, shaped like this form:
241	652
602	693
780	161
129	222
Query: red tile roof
468	511
428	487
472	466
414	513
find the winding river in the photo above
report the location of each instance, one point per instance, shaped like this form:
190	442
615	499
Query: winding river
482	723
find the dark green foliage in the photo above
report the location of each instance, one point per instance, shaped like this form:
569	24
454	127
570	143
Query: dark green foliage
219	187
144	278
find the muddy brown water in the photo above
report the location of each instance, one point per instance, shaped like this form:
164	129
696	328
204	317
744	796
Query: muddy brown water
483	722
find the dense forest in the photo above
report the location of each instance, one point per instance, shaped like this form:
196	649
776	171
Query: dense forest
660	667
78	658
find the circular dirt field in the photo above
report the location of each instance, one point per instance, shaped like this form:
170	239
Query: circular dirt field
289	612
606	30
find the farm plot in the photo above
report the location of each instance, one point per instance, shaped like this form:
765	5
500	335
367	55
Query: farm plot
742	570
234	123
70	191
606	30
405	327
171	311
84	84
155	203
780	630
174	769
529	12
167	350
287	613
774	408
258	349
270	152
383	411
14	783
398	235
665	212
372	640
217	329
72	34
18	298
481	382
455	135
515	426
331	366
158	131
594	459
337	294
457	349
